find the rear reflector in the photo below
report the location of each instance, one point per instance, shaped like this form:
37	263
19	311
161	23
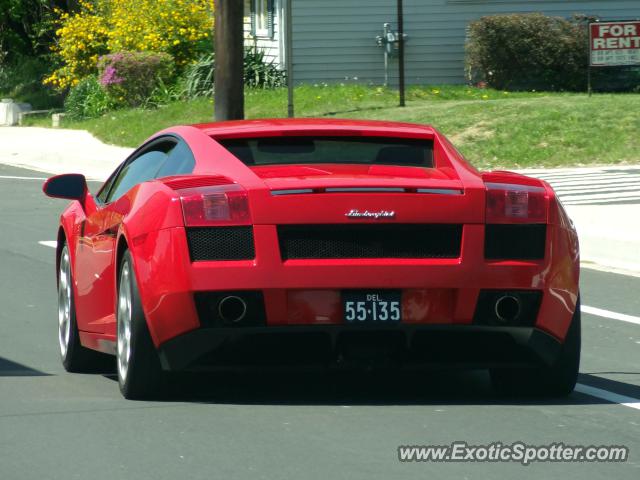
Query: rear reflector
218	205
510	203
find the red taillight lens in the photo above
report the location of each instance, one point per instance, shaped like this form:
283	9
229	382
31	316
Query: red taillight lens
507	203
217	205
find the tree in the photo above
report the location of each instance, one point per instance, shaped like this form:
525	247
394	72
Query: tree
26	28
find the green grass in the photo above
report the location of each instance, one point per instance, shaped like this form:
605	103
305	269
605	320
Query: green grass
493	129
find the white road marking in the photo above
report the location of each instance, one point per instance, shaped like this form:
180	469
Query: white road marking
618	269
609	314
22	178
599	196
586	389
573	188
594	187
582	178
608	396
626	200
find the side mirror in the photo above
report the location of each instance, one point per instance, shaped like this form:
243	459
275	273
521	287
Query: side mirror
72	186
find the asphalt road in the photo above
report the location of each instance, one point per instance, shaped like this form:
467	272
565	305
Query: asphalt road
55	425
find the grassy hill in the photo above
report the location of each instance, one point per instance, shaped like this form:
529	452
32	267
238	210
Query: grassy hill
493	129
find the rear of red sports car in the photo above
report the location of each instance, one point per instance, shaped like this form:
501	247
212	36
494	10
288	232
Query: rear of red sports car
334	243
328	243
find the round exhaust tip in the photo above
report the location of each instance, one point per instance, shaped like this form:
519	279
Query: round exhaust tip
232	309
507	308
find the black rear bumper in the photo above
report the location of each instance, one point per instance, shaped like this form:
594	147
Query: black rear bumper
465	346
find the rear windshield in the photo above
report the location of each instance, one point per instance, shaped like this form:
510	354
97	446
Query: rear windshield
303	150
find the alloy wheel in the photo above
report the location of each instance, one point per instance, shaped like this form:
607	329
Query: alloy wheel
64	302
124	321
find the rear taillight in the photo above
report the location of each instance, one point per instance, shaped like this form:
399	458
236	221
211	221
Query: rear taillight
509	203
216	205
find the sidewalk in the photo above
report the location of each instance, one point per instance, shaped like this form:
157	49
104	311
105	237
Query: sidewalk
59	151
609	234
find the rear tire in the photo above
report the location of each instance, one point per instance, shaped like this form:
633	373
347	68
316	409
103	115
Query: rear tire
556	380
75	357
140	375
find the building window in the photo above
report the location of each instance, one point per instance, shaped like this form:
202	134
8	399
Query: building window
262	18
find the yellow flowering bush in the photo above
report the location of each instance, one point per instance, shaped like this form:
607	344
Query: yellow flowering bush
81	39
176	27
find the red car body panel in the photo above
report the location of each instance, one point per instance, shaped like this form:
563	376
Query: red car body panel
435	291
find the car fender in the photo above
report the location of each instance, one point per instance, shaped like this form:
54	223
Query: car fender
71	222
160	256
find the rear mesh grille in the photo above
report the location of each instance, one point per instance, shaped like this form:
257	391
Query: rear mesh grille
221	243
369	241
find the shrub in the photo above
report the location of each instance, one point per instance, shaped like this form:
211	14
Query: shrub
130	78
181	28
258	73
164	94
198	77
527	51
87	99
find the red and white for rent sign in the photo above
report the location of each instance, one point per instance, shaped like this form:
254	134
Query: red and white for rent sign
614	43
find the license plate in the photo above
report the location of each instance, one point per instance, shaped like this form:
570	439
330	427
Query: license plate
372	307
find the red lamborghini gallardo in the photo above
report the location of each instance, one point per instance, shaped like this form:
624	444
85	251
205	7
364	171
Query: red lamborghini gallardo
315	243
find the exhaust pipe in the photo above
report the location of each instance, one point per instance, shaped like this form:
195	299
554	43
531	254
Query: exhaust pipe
232	309
507	308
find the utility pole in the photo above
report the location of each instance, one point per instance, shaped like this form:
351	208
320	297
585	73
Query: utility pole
289	59
229	60
401	80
